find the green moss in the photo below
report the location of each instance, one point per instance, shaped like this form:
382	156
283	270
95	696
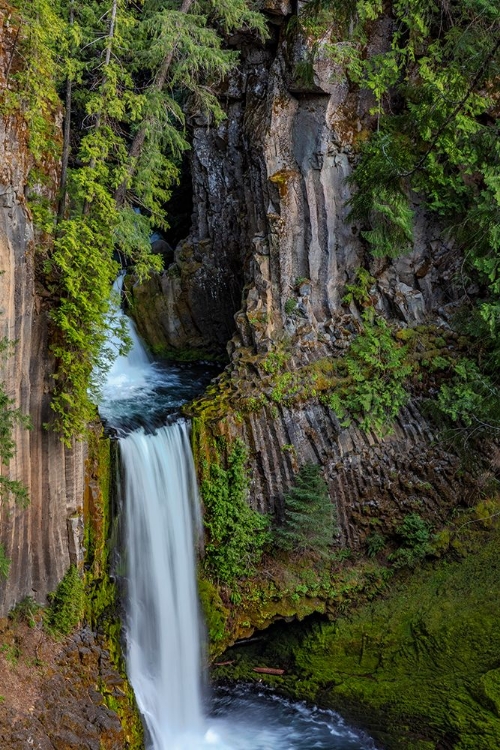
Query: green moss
418	668
368	384
214	612
101	594
293	587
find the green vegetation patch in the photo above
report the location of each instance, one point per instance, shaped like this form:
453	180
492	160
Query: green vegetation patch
10	416
118	71
67	604
369	384
418	667
101	605
435	103
236	533
378	368
308	520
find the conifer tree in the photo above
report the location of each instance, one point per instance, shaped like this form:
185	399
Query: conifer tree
308	523
130	72
182	49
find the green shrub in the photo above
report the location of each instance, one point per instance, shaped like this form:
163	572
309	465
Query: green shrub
9	418
25	611
67	604
4	563
415	536
375	543
378	368
414	531
236	533
359	291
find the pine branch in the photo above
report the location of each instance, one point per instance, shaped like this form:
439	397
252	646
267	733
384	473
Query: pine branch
455	111
140	136
67	133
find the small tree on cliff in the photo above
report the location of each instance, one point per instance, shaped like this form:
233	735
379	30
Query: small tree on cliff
309	521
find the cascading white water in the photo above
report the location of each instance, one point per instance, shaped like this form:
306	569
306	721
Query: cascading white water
129	370
163	633
162	520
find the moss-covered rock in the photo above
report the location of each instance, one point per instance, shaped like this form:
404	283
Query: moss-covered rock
102	609
215	613
418	668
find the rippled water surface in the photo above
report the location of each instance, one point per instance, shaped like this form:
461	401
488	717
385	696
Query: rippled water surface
246	718
144	398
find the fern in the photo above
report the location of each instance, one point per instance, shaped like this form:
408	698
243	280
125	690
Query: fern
378	368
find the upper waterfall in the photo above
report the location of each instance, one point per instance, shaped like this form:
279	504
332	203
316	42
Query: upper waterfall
136	390
130	370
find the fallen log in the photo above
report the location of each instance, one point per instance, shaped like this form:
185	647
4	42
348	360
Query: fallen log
268	670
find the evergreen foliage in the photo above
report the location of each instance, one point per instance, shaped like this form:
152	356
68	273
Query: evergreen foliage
9	417
308	524
237	534
435	103
375	543
4	563
31	83
436	133
130	73
415	538
378	368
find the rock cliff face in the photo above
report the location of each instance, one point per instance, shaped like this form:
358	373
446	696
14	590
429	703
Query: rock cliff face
270	214
372	480
50	698
270	223
44	538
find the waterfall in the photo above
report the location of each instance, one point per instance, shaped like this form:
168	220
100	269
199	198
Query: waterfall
162	526
163	632
127	371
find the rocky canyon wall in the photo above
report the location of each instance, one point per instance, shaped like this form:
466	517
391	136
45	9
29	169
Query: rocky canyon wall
271	224
42	539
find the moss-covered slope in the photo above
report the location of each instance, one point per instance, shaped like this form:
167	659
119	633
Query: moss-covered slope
419	668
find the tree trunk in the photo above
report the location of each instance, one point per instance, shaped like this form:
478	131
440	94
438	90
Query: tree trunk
107	60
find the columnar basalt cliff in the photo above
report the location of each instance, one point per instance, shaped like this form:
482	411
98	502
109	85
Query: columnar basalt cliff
271	221
43	539
372	480
270	211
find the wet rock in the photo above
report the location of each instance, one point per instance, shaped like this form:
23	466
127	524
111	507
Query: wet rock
276	7
270	213
38	540
161	247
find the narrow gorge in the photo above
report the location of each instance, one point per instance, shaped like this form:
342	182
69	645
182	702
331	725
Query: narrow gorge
300	202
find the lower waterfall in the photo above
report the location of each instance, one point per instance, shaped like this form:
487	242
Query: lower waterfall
163	631
164	638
